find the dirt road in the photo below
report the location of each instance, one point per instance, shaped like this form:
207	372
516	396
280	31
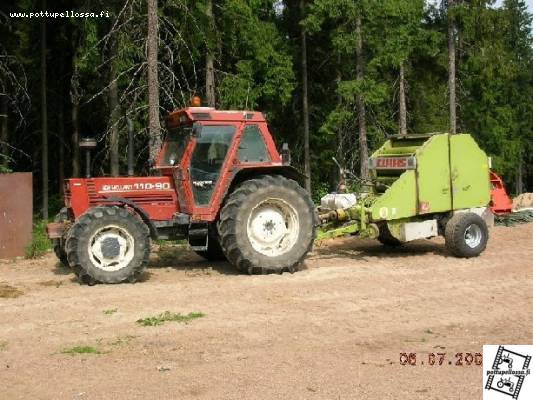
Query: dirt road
332	331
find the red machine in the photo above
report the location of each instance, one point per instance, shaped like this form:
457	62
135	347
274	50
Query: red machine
220	182
501	203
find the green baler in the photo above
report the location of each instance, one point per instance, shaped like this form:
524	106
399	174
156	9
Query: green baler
422	186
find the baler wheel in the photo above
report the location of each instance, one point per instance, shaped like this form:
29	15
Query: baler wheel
386	238
267	225
108	245
466	235
214	250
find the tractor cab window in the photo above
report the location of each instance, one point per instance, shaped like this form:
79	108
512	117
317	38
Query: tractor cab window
207	159
252	147
175	143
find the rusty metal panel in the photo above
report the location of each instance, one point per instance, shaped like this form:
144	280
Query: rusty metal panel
16	213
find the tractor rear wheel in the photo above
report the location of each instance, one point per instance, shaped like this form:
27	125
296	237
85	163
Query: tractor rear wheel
267	225
466	235
386	238
214	250
108	245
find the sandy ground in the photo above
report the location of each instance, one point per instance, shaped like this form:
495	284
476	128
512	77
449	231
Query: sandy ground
334	330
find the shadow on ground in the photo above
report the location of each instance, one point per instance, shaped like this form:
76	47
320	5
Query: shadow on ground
181	258
361	249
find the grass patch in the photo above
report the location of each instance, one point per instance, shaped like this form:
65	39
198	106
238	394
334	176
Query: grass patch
40	243
81	350
168	316
111	311
9	292
3	345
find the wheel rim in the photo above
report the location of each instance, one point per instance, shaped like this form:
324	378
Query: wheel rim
273	227
111	248
473	236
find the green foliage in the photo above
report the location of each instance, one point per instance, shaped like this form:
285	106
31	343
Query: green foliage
263	70
111	311
497	68
81	350
40	243
169	316
4	169
256	46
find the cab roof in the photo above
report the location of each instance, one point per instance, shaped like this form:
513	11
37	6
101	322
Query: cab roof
193	114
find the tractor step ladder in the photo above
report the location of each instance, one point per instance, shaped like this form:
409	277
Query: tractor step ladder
198	236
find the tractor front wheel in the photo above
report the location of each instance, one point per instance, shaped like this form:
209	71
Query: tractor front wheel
466	235
108	245
267	225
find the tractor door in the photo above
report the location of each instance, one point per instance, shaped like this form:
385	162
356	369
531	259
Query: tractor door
208	165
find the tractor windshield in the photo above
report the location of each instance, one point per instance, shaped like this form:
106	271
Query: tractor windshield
175	145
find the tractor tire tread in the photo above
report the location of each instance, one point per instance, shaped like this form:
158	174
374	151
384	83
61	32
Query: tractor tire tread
244	259
455	231
78	259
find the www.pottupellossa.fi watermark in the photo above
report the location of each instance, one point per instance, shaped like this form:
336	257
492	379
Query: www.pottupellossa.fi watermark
62	14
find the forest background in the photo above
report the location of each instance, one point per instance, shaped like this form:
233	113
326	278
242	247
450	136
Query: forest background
333	77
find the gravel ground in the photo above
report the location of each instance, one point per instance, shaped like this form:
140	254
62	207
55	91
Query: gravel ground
334	330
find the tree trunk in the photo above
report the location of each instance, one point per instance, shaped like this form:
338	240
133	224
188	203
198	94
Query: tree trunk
114	109
4	135
210	59
403	106
154	126
519	189
451	68
44	120
75	137
361	110
305	104
340	133
61	146
75	111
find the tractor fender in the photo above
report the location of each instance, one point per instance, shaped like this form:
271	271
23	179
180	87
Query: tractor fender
138	209
241	174
244	173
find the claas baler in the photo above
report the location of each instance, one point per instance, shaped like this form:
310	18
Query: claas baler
422	186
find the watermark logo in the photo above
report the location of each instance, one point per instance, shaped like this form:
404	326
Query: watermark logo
506	373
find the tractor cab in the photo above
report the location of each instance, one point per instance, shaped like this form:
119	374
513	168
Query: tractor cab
204	149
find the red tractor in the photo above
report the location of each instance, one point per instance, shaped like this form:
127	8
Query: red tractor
220	182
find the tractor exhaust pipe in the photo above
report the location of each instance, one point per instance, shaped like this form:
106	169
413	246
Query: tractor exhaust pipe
87	144
131	172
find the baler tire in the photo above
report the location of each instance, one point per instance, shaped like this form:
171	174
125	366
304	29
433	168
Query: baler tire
214	250
236	216
456	235
386	238
89	225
